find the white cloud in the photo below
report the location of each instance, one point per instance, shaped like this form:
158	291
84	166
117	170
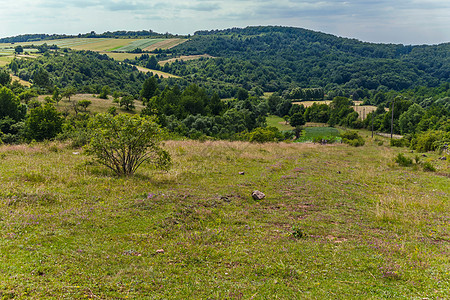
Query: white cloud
401	21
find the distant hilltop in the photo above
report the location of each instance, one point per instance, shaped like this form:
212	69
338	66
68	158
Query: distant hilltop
116	34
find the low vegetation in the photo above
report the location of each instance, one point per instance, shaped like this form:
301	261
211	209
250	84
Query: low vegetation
89	207
336	220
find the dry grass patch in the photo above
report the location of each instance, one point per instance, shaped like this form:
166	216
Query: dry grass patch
159	73
121	56
184	58
166	44
98	105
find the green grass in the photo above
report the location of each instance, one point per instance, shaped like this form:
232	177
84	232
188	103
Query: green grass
142	43
370	229
314	133
278	122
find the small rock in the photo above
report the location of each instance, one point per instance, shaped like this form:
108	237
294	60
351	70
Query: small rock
160	251
257	195
339	172
75	153
443	158
241	173
225	198
424	155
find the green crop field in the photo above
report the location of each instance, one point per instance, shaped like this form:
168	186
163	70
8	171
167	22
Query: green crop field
98	44
310	134
337	222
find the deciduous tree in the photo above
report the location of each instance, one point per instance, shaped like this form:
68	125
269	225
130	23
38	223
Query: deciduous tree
123	143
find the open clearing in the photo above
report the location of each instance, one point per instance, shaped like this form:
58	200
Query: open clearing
362	110
98	105
22	82
121	56
278	122
159	73
337	223
185	58
98	44
165	44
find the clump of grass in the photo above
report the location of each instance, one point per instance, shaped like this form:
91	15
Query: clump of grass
403	161
352	138
297	232
428	167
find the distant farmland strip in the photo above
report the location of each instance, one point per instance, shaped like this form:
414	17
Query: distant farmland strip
142	44
165	44
188	57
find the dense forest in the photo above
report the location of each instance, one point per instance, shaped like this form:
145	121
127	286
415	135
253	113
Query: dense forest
281	58
87	71
222	97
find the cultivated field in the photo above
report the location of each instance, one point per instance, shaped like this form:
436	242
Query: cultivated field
98	44
185	58
337	223
362	110
310	103
165	44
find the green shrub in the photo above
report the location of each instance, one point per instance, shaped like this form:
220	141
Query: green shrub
428	167
399	143
352	138
122	143
263	135
431	140
403	161
297	232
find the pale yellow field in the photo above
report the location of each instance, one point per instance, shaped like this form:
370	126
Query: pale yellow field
121	56
190	57
104	45
167	44
160	74
310	103
22	82
98	105
363	111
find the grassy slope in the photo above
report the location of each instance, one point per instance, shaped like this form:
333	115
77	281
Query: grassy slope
71	229
98	105
278	122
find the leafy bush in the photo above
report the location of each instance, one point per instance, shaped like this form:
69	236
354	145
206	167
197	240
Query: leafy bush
428	167
44	122
263	135
431	140
403	161
399	143
122	143
352	138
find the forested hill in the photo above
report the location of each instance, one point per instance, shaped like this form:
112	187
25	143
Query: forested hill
108	34
279	58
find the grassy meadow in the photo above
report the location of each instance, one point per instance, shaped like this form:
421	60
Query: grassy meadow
337	222
97	105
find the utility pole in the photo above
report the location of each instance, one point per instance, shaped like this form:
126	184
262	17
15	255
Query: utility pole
372	122
392	118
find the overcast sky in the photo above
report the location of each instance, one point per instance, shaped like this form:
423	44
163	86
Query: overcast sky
386	21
